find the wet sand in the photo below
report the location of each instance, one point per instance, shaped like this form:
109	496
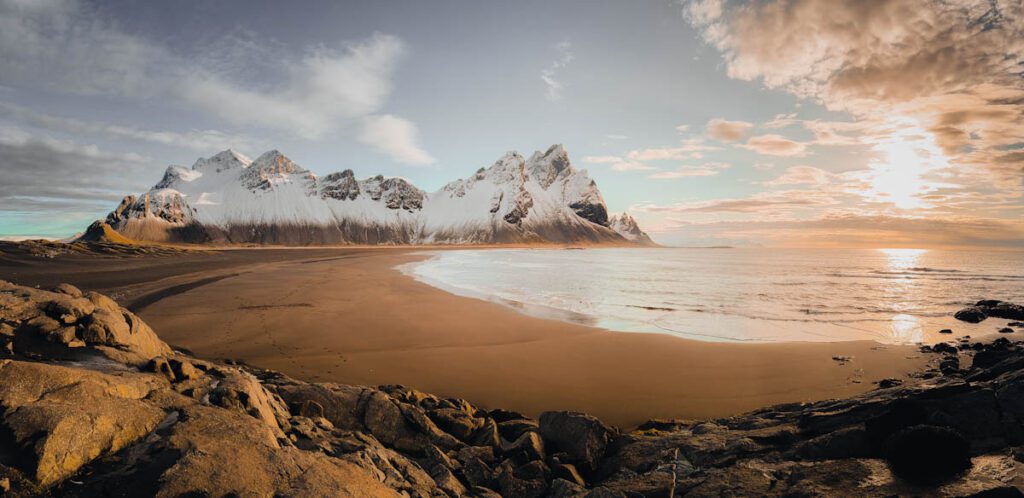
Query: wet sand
347	315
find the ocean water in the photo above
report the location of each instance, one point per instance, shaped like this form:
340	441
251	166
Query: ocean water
893	296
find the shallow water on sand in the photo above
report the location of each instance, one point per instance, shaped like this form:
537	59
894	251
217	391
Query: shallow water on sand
894	296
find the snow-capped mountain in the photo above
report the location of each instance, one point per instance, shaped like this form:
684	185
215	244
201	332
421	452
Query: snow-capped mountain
627	227
229	198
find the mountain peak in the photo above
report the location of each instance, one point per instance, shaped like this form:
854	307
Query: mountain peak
626	226
273	161
223	160
549	166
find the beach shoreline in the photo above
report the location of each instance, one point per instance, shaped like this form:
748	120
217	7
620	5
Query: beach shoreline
348	315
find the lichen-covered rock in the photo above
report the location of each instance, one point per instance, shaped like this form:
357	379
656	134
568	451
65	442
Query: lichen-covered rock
242	392
81	324
63	418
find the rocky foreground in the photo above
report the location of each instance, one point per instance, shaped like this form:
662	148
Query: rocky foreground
93	403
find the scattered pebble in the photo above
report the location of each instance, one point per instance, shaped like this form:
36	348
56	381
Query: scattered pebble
1006	330
842	359
946	331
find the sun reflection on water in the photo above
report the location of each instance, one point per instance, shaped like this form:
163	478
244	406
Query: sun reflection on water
906	329
902	259
903	327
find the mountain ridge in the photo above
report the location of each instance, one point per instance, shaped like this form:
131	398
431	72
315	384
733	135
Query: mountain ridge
230	198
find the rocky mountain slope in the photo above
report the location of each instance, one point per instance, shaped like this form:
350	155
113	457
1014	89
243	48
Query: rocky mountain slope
272	200
93	403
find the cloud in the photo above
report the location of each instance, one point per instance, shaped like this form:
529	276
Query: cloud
322	89
683	128
782	121
965	58
198	140
616	137
727	131
690	149
801	175
848	229
775	145
631	166
41	173
706	169
70	47
395	137
618	164
760	203
552	86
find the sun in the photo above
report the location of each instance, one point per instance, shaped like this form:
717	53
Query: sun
906	157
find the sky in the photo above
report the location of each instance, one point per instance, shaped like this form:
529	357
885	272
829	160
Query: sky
877	123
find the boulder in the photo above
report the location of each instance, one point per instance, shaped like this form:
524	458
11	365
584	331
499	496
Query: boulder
242	392
568	472
582	437
384	419
518	485
512	429
63	418
563	488
68	289
183	369
927	454
889	382
457	422
217	452
102	302
970	314
1001	309
949	365
989	357
528	447
339	403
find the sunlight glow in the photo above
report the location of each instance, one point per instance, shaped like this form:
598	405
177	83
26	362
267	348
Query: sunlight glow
909	154
902	259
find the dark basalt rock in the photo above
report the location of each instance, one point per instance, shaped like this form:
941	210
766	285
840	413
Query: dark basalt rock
583	438
950	365
890	382
1001	309
523	203
594	213
971	314
928	454
340	186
